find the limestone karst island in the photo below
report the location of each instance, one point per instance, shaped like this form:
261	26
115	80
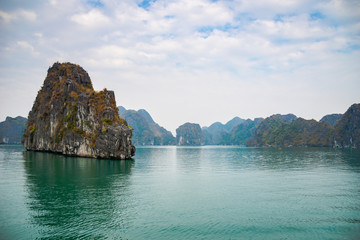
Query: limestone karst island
70	118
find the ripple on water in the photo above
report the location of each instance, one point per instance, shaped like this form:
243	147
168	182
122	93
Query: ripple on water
182	193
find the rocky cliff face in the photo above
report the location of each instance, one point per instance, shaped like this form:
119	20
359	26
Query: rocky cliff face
347	130
69	117
189	134
12	130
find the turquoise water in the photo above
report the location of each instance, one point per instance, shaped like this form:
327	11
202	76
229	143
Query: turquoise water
182	193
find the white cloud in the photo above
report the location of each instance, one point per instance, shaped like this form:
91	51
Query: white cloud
26	15
53	2
295	27
38	34
92	19
195	13
174	18
25	45
181	58
342	11
18	14
268	9
6	17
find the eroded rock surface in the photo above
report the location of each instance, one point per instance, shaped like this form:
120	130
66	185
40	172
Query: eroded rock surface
69	117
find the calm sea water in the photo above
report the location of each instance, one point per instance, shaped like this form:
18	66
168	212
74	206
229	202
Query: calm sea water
182	193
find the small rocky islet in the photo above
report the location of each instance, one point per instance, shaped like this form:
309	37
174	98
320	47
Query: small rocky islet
70	118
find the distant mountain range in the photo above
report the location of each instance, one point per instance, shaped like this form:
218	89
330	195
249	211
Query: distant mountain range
145	130
241	133
333	130
216	132
12	130
278	130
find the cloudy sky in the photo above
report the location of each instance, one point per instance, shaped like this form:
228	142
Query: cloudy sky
188	60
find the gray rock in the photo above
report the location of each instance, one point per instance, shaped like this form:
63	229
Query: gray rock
189	134
12	130
70	118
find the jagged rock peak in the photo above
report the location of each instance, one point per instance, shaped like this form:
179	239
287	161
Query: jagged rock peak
69	117
71	70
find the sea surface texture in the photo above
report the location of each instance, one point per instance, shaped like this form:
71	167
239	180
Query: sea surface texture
182	193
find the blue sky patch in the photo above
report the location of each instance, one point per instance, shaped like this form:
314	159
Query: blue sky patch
95	3
349	48
207	30
145	4
316	16
279	18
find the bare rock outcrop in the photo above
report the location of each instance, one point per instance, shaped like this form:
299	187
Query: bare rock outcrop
70	118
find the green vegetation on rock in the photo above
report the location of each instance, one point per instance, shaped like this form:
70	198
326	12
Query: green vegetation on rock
332	119
242	133
12	130
73	119
278	131
189	134
347	130
145	130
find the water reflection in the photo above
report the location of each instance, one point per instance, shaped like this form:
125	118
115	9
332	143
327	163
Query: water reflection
192	192
69	194
230	159
155	159
304	159
190	159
